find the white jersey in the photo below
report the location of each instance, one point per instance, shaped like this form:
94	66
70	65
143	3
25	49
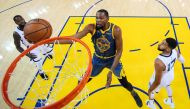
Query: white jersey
23	40
169	61
39	51
168	73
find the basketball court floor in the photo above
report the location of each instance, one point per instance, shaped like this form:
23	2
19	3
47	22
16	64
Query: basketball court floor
144	24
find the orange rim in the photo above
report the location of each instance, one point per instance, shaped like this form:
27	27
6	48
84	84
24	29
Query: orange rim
62	102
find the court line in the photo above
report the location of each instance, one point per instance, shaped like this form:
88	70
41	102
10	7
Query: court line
14	6
167	33
134	50
115	85
138	16
38	71
93	16
69	49
176	24
186	67
180	42
175	34
154	43
188	22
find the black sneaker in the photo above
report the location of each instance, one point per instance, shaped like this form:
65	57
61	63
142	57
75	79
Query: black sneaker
43	76
137	99
50	56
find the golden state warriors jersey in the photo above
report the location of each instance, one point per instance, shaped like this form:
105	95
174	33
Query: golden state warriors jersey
104	43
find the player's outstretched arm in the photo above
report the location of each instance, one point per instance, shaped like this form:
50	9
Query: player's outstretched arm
88	29
180	57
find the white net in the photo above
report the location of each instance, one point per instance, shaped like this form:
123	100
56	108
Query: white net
65	66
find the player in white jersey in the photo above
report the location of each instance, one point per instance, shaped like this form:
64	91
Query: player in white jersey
164	71
35	54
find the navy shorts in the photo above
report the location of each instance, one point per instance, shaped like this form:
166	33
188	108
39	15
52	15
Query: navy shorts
99	64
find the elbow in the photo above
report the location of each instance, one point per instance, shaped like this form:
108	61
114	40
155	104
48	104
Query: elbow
157	83
119	52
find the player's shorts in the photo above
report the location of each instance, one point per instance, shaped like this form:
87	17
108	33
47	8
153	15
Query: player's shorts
166	80
99	64
41	51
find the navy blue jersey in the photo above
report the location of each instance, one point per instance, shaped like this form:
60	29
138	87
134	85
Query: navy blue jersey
104	43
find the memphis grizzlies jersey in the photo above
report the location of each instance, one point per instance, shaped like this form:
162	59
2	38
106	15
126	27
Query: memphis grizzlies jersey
169	61
104	42
22	39
168	73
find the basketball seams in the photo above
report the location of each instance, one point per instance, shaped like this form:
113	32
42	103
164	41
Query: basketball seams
36	31
46	27
43	35
35	28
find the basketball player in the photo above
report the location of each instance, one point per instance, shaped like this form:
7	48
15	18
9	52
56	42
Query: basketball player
107	40
164	71
34	54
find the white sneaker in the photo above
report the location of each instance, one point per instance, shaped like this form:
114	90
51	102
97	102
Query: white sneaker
150	105
169	102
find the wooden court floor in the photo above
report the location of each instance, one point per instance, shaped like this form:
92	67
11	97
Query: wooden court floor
143	27
141	36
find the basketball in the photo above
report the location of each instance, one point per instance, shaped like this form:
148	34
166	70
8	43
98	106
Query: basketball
37	30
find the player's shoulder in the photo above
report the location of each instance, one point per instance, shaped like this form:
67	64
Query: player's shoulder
90	27
116	28
158	62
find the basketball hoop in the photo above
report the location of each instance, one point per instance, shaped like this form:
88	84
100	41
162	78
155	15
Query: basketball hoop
68	97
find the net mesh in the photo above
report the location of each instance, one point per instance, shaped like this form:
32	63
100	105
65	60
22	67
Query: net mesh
27	89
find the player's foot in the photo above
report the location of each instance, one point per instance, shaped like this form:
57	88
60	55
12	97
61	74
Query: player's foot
43	76
169	102
150	104
137	98
50	56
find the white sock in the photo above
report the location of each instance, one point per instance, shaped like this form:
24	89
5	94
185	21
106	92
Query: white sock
152	96
151	101
169	91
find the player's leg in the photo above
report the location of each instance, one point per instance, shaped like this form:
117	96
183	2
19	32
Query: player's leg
166	81
97	67
39	62
126	84
150	102
47	50
169	100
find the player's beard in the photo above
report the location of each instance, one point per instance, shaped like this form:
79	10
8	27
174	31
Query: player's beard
98	27
159	49
21	26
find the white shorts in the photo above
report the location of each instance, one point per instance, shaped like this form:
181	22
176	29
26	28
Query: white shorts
166	80
41	52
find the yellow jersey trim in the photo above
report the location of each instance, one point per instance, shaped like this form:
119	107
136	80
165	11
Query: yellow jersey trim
94	30
104	57
112	32
106	29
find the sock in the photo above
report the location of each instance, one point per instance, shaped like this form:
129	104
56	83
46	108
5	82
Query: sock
169	91
151	101
152	96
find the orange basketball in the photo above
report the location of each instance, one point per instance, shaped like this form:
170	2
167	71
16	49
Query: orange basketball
37	30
